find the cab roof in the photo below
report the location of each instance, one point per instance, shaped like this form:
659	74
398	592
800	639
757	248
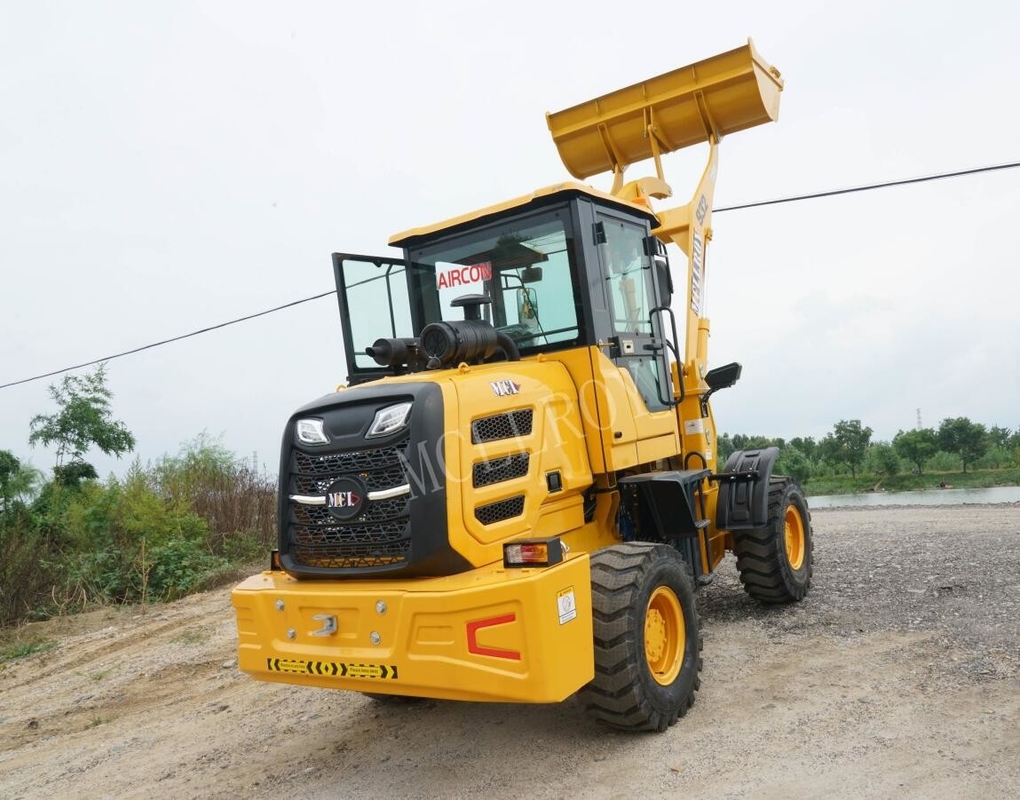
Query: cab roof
543	196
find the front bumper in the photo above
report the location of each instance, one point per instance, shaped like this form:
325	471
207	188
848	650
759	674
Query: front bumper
491	634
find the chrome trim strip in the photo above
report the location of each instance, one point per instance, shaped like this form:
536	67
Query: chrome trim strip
309	499
389	494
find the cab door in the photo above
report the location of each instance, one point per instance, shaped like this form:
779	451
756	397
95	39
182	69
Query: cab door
638	296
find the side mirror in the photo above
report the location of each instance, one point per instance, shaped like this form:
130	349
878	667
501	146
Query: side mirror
527	307
723	377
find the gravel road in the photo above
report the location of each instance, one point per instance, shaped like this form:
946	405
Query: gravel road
898	676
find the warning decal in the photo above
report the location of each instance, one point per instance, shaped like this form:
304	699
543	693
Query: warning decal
332	668
566	605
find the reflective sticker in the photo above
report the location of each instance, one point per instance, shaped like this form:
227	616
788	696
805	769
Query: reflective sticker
473	645
566	605
697	272
693	426
334	669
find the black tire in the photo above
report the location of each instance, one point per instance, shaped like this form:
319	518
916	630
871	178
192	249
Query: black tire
775	562
636	587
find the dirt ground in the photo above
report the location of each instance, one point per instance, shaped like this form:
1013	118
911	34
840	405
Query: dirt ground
899	676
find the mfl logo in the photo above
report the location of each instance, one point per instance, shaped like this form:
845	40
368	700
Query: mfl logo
505	387
342	499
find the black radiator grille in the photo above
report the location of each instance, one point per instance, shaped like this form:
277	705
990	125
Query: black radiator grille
502	426
374	481
380	535
486	473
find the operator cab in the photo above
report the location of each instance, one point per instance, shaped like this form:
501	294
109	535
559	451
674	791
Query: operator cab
562	268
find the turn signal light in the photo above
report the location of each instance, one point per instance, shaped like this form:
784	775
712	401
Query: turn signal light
533	552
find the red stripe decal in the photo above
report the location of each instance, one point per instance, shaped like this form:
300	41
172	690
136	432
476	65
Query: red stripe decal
491	622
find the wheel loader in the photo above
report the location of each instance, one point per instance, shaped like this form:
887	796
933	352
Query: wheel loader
516	493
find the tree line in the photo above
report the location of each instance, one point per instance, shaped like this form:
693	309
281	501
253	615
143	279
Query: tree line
957	443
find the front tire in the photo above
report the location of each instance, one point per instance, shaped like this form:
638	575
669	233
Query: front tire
776	562
647	638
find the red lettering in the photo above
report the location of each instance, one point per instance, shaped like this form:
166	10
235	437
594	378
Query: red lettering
465	275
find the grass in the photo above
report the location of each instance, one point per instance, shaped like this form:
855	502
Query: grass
192	636
16	650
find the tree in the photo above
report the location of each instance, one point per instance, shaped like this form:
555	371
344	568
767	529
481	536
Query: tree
84	420
883	458
795	463
968	440
847	444
17	482
917	446
999	437
807	445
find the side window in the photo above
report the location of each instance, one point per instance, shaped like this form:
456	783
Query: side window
629	283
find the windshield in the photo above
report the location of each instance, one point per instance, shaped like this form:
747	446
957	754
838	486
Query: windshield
523	265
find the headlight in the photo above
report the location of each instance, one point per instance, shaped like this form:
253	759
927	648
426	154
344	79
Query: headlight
389	419
310	431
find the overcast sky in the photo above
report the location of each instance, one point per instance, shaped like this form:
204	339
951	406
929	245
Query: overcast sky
166	166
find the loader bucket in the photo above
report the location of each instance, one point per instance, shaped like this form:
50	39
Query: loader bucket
711	98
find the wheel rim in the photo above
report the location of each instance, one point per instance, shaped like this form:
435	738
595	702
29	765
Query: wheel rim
794	535
665	635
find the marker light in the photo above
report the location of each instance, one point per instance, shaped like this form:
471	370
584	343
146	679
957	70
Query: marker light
533	552
390	419
310	431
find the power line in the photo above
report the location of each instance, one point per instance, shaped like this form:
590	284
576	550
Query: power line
793	199
168	341
869	187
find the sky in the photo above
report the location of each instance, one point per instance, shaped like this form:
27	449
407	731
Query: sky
165	167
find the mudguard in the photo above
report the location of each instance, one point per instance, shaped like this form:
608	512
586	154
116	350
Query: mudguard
744	489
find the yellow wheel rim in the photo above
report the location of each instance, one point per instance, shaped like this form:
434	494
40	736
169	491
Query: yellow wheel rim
665	635
795	539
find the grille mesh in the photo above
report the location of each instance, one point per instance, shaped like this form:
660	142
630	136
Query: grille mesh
380	479
503	509
486	473
502	426
379	536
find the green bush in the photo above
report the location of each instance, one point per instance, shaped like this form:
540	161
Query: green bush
158	533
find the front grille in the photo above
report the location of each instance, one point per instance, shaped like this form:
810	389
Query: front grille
348	557
502	426
380	535
504	509
377	511
374	481
486	473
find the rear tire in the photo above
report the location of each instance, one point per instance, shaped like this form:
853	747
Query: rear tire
776	562
647	638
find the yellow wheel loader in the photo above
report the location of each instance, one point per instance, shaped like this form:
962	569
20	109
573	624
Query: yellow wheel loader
516	494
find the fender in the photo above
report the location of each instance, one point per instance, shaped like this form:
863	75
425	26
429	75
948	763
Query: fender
744	489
